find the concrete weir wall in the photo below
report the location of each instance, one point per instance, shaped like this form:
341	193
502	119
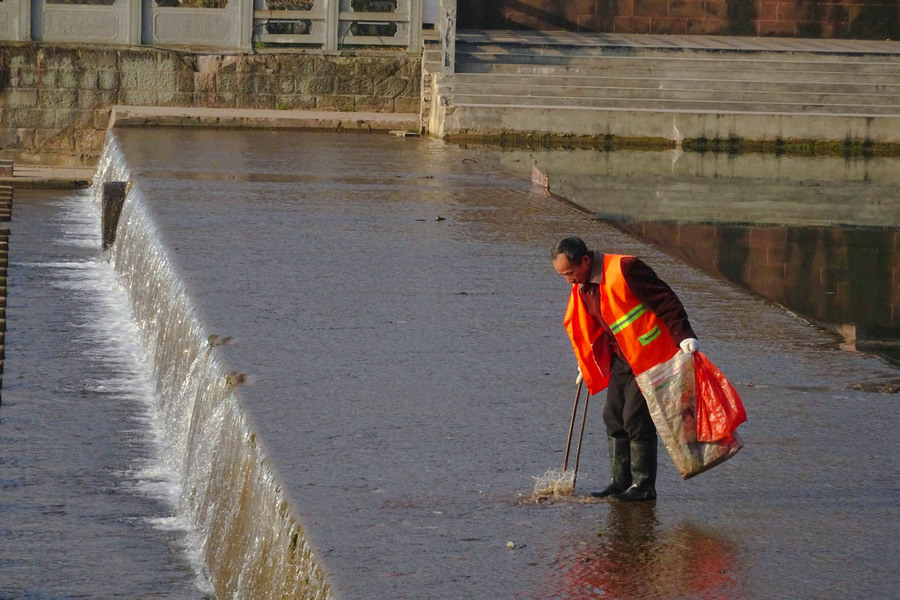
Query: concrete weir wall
55	100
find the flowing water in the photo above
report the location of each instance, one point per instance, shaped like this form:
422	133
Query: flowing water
86	506
349	351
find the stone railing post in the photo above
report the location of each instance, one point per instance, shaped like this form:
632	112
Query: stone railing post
415	27
245	40
448	36
332	24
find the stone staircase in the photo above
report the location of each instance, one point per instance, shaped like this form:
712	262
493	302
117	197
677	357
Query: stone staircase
733	89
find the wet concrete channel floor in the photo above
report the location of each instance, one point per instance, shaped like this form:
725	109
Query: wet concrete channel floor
393	306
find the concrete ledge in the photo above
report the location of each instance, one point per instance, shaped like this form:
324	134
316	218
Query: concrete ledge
828	133
49	177
155	116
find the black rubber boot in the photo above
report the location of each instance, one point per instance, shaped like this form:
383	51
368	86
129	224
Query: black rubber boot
619	466
643	472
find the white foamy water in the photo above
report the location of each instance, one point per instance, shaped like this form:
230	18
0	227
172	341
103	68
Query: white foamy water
554	483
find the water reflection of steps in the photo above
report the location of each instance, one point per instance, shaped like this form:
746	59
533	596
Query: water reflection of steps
514	83
711	188
737	201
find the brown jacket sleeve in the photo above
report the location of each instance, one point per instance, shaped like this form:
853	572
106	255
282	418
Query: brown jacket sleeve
656	295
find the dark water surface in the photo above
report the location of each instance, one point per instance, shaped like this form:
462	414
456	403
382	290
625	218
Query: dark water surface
408	376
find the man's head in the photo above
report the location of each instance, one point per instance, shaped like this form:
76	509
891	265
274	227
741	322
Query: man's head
572	260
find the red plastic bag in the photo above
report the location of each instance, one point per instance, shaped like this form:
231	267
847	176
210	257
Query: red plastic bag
719	407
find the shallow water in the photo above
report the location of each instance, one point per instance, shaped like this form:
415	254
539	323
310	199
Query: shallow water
819	235
408	377
84	503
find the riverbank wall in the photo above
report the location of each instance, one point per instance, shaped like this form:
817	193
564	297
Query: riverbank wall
55	100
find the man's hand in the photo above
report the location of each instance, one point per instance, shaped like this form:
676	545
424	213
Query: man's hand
690	345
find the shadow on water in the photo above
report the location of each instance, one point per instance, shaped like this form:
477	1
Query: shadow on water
686	560
820	236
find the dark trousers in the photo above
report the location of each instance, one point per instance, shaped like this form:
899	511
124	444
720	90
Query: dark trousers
625	413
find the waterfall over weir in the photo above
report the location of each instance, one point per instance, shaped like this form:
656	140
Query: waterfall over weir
247	529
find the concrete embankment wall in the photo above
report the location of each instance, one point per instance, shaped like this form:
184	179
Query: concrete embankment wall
55	100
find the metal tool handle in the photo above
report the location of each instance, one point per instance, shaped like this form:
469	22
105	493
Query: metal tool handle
587	399
572	426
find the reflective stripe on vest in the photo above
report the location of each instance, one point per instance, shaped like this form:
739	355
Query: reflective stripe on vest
628	319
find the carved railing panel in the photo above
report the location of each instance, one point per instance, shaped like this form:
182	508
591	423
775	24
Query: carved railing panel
15	20
201	23
335	24
88	21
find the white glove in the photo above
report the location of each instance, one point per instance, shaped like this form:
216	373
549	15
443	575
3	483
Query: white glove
690	345
579	379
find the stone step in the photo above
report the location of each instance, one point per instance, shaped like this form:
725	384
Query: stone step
683	73
561	93
673	104
851	65
629	57
569	82
665	121
669	42
663	87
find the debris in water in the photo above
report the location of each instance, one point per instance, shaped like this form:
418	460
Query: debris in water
439	218
404	133
511	545
876	387
554	483
235	379
217	340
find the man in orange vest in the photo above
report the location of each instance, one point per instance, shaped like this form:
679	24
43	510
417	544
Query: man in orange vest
622	320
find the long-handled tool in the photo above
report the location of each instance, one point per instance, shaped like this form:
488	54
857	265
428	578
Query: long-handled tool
572	426
571	431
580	438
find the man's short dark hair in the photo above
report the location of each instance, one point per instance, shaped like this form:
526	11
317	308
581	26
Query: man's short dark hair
573	248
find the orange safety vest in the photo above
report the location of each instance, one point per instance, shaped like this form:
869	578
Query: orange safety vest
644	340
